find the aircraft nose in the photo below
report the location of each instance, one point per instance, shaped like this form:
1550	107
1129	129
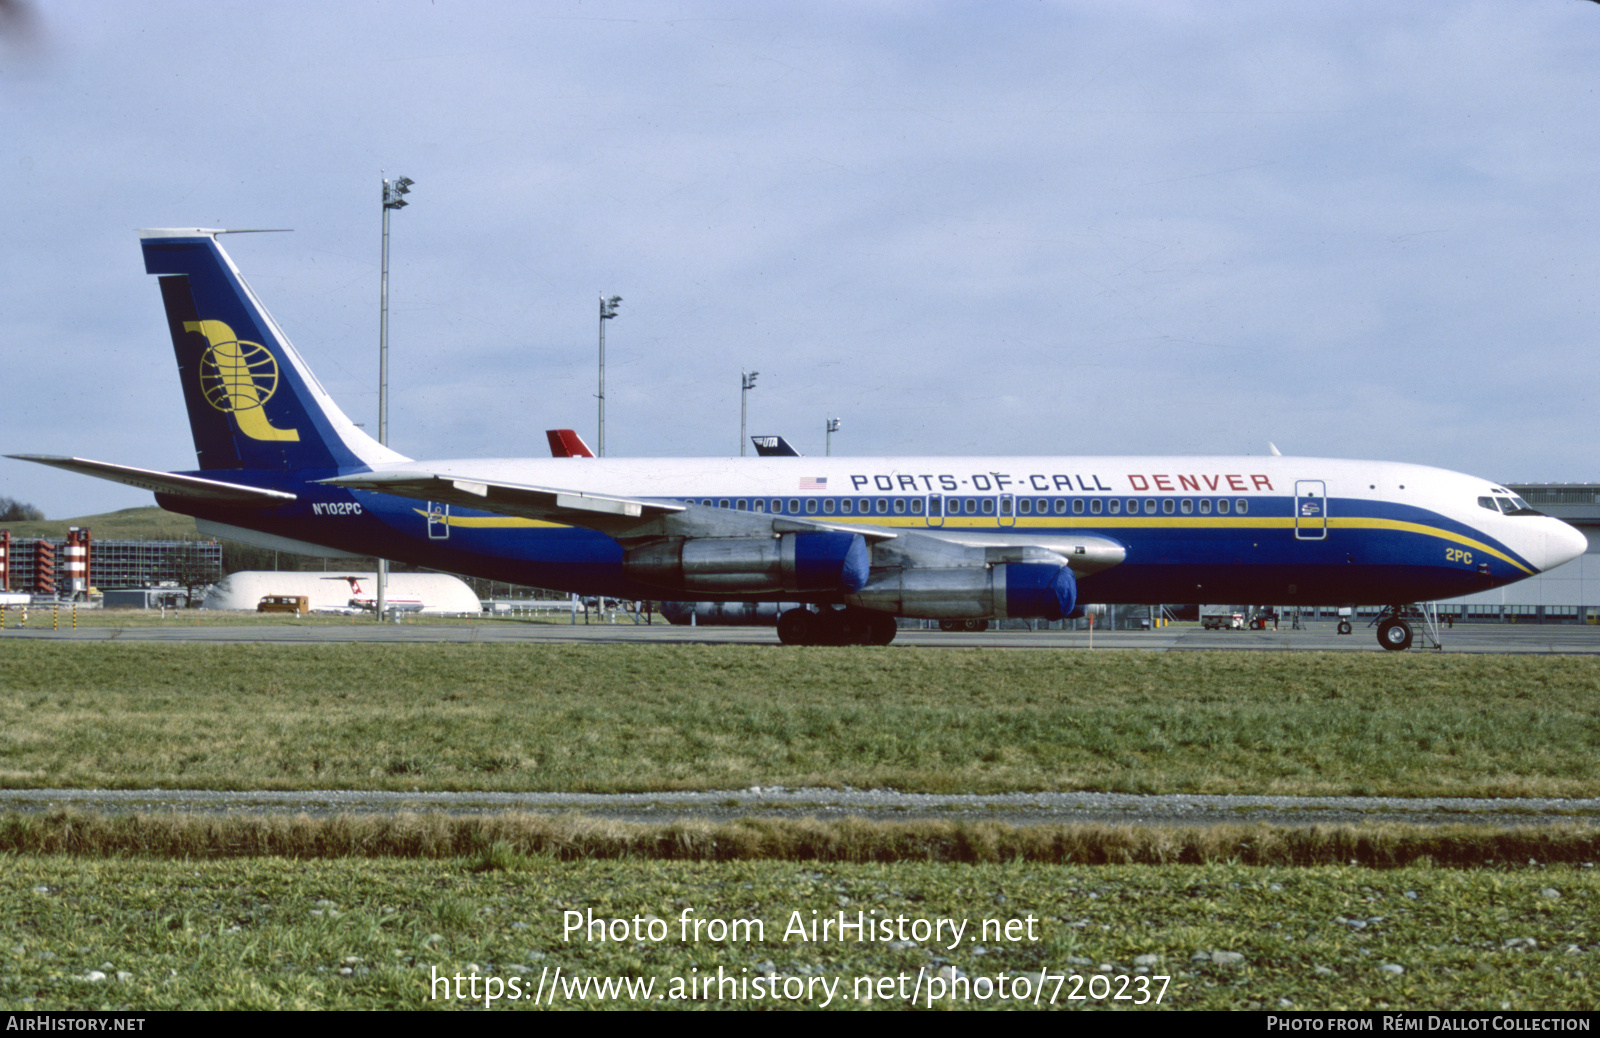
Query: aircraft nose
1563	543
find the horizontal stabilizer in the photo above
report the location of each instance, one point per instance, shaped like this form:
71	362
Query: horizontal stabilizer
192	487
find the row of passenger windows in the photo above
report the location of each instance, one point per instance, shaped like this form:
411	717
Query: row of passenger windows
934	506
1117	505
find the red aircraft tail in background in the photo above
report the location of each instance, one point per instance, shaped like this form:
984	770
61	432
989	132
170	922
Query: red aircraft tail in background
565	443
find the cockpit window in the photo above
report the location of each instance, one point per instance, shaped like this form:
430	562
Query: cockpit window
1510	504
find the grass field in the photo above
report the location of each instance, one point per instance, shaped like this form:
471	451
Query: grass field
657	717
148	523
272	933
147	925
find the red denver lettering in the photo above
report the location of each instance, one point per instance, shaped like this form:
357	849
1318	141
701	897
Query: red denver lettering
1162	481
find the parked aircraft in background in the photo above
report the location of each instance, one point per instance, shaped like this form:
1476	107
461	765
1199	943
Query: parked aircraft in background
773	447
859	540
367	601
566	443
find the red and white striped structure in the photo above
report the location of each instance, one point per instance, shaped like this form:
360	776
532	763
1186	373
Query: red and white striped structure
76	556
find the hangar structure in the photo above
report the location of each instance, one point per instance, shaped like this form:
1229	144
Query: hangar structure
343	590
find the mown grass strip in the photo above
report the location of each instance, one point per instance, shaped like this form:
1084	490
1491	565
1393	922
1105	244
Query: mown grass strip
661	717
498	839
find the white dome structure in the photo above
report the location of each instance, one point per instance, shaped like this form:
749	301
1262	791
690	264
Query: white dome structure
344	591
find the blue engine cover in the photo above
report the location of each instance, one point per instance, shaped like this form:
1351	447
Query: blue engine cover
1039	589
828	561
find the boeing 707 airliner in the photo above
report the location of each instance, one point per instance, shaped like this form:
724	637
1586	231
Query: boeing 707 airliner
859	541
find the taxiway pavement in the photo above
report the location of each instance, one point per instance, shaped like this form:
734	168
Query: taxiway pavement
1320	636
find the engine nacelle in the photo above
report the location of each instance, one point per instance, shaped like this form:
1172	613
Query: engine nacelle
1033	590
809	561
727	612
1012	590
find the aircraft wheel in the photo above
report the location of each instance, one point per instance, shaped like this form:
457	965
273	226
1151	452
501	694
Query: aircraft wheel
797	627
1394	635
881	629
949	625
844	627
974	625
1344	627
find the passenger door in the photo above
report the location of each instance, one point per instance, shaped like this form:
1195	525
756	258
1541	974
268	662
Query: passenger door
1310	510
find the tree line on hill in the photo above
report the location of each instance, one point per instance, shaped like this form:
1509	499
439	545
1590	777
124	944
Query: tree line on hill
14	511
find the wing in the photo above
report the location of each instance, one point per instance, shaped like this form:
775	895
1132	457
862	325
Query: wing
193	487
1085	552
626	519
633	521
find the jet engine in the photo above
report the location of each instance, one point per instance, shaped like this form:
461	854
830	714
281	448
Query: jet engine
1011	590
809	561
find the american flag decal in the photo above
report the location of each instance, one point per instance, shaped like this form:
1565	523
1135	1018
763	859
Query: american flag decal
813	482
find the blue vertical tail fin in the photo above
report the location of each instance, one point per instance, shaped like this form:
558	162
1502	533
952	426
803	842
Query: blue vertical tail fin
253	403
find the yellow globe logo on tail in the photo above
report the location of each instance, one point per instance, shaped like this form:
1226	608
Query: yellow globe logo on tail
238	378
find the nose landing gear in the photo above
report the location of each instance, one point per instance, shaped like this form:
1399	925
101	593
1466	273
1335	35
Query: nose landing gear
1394	634
1394	629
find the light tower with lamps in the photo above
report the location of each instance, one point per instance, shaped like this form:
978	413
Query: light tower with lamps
747	382
608	310
833	427
394	193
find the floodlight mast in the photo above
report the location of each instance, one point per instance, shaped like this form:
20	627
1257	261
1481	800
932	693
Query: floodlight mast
393	198
394	193
608	310
833	427
747	382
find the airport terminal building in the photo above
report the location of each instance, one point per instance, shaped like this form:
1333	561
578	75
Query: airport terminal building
69	566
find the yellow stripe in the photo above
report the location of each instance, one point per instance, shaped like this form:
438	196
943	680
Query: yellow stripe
1085	522
988	524
487	522
1427	531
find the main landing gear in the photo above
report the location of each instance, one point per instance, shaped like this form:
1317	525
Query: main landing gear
1394	630
847	626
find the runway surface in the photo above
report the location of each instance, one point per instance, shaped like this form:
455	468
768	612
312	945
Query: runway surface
1321	636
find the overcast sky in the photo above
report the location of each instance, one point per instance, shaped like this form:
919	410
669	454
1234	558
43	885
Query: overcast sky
1352	229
